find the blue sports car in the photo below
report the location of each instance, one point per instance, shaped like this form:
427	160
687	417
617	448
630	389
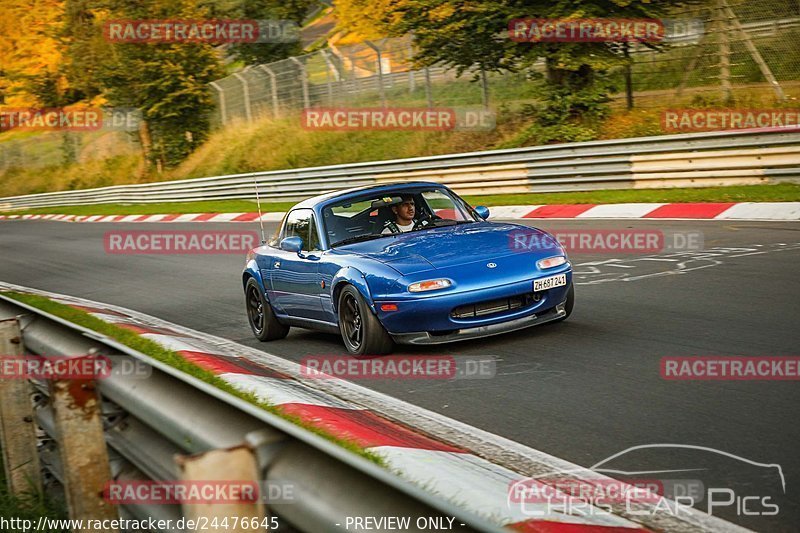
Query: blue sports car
408	263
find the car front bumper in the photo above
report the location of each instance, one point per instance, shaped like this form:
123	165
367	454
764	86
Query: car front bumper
426	337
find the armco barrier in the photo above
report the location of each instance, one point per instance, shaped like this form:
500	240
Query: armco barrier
147	423
685	160
433	466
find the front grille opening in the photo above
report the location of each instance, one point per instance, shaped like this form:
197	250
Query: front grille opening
495	307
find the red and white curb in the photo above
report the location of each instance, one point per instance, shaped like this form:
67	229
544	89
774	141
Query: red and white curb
462	464
682	211
190	217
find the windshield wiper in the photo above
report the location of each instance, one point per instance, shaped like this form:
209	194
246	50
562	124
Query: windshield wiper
359	238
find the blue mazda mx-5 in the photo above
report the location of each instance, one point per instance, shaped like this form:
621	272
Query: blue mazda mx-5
409	263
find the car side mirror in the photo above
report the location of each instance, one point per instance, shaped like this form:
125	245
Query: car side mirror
482	211
292	244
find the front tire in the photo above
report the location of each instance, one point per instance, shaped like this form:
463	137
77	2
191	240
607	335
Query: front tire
362	332
262	319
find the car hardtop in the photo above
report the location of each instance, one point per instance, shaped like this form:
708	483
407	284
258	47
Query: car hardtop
317	203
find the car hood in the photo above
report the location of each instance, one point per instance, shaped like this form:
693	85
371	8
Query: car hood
446	247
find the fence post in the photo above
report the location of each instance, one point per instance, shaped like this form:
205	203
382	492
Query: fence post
222	110
328	69
412	85
274	87
428	95
484	89
304	80
381	89
17	430
751	47
235	465
82	447
628	75
724	52
246	93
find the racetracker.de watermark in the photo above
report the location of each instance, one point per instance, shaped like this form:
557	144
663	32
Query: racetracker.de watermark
719	368
398	118
596	491
69	118
685	120
80	367
398	367
179	242
174	492
624	241
201	31
588	30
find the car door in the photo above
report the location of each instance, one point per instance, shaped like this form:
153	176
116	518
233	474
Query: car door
295	287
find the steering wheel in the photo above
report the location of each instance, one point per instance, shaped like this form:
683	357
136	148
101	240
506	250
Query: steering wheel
425	221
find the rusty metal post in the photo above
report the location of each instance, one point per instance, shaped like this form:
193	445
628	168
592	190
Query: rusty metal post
17	431
82	446
235	465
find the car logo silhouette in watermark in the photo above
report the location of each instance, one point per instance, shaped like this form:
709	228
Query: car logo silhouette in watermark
647	492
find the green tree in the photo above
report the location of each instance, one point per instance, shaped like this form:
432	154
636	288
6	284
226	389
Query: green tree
167	82
474	33
273	10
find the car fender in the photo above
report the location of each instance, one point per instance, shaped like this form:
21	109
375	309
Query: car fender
354	277
251	270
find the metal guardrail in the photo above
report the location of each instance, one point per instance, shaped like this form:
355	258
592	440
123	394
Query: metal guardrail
147	423
696	159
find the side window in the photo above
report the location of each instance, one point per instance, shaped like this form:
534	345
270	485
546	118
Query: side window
300	223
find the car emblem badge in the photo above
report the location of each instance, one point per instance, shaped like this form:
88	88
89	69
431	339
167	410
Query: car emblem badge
491	265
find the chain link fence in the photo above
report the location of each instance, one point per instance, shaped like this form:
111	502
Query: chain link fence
725	50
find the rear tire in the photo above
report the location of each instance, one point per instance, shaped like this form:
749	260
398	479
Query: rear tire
570	303
362	332
262	319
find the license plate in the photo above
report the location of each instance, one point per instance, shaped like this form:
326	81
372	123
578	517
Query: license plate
542	284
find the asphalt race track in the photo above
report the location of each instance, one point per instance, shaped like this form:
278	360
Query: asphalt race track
584	389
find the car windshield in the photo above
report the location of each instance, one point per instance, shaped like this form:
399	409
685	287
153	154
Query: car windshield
374	216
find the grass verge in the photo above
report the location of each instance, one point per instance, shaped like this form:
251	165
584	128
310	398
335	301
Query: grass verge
175	360
782	192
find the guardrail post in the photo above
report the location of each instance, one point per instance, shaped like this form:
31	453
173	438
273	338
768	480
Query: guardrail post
274	89
303	80
237	466
82	447
17	431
